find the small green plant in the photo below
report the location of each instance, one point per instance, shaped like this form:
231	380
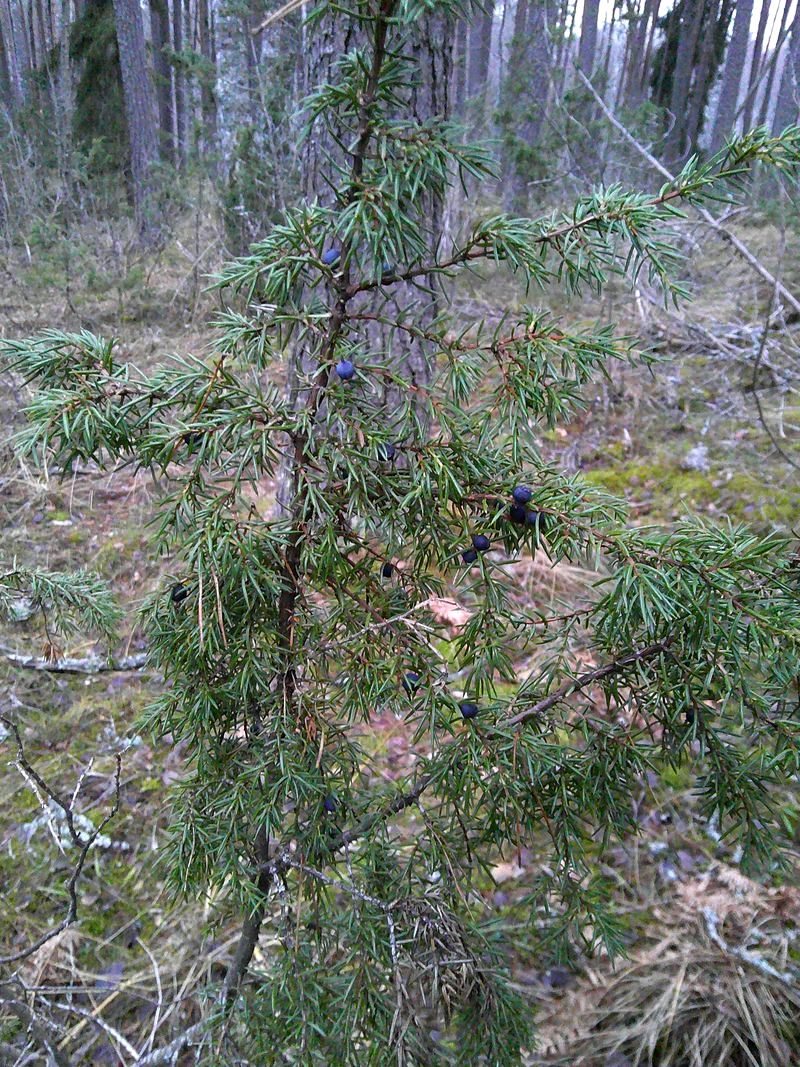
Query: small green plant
282	634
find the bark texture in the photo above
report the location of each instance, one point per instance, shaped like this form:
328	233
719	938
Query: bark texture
691	19
787	105
588	43
140	111
431	46
159	30
732	77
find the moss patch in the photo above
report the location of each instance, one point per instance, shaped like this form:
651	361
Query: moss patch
666	487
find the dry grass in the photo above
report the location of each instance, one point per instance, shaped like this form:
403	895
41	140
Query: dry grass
710	986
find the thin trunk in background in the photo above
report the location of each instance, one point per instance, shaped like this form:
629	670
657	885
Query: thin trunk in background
233	86
479	50
254	52
140	111
735	59
588	42
162	70
208	80
714	17
633	92
609	32
645	73
13	61
562	70
755	66
691	18
787	106
526	94
459	94
766	99
30	30
5	74
179	85
513	87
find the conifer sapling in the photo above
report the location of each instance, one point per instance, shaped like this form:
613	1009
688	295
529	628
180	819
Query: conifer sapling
280	695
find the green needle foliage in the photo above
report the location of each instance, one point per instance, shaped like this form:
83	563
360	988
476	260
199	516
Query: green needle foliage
281	636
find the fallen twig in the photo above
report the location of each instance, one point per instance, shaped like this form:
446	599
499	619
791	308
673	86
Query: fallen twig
706	215
76	665
82	841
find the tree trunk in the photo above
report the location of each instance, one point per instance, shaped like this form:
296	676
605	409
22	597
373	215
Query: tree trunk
179	83
459	94
691	19
208	80
233	81
11	48
787	106
648	52
162	69
524	97
732	78
609	35
254	53
634	73
513	83
698	97
479	51
588	42
431	45
766	100
140	111
755	67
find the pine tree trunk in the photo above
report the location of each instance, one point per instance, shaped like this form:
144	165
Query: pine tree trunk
766	100
179	83
527	89
690	21
787	105
459	94
140	111
588	42
648	52
254	53
208	81
233	81
512	87
755	67
30	28
159	29
703	72
479	50
634	72
5	72
11	48
732	77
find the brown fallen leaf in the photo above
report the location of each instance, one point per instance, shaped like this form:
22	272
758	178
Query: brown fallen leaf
504	872
449	612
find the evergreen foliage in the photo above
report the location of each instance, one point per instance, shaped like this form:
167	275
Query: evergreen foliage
99	116
287	636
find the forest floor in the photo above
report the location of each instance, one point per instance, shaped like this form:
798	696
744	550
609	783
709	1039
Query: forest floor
713	427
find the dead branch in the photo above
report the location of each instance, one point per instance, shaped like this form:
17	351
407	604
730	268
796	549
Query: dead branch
74	665
706	215
81	840
37	1030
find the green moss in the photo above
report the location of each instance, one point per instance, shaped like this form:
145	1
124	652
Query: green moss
740	496
677	779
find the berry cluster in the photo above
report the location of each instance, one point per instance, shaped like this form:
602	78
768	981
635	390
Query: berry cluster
518	512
